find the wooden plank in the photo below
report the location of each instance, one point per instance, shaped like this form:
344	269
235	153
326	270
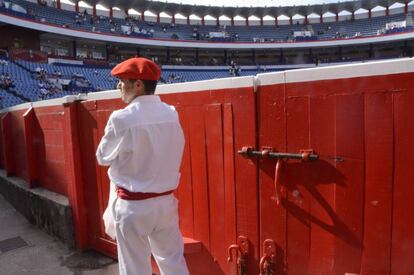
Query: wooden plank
199	176
185	189
272	133
322	180
403	217
73	173
229	182
214	145
246	171
103	185
31	142
9	161
349	203
297	203
90	172
18	144
378	183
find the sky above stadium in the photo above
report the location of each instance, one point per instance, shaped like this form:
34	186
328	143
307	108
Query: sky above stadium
254	3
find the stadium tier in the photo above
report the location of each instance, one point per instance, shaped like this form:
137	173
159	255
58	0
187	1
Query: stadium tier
33	81
39	65
137	28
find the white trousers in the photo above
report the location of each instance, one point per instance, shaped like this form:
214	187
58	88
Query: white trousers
149	226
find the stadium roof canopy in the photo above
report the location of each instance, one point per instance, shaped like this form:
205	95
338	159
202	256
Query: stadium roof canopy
259	11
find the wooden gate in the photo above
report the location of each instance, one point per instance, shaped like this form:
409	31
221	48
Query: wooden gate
346	213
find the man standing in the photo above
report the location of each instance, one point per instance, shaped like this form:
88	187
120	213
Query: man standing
143	145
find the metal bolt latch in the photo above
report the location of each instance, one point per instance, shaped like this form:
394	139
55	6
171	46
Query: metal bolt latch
267	152
304	155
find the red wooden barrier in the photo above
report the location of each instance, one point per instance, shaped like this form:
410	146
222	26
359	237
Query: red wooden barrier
348	212
217	189
207	193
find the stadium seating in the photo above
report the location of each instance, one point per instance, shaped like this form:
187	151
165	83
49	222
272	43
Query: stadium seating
21	82
85	78
332	30
28	88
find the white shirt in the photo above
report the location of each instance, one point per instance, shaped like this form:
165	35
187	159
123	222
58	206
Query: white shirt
143	145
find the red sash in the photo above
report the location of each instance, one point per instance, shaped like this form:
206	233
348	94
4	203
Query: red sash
137	196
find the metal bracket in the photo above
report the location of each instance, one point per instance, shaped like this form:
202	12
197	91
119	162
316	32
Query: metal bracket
241	251
268	260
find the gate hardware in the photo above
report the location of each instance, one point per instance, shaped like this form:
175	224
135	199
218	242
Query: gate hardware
267	152
268	260
241	251
304	155
278	188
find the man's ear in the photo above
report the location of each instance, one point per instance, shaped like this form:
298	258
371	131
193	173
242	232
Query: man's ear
138	83
140	86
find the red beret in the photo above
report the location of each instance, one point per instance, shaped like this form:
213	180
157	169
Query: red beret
137	68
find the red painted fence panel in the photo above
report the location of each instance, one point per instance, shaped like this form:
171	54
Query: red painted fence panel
379	142
402	240
348	212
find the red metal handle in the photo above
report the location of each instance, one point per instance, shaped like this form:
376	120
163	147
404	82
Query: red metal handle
278	168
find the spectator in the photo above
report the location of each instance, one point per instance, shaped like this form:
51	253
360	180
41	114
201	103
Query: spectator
238	71
57	73
43	93
7	83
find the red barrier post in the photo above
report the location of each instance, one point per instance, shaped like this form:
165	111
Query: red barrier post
74	173
31	139
9	161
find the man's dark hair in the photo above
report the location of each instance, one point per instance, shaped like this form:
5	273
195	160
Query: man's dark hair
150	86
